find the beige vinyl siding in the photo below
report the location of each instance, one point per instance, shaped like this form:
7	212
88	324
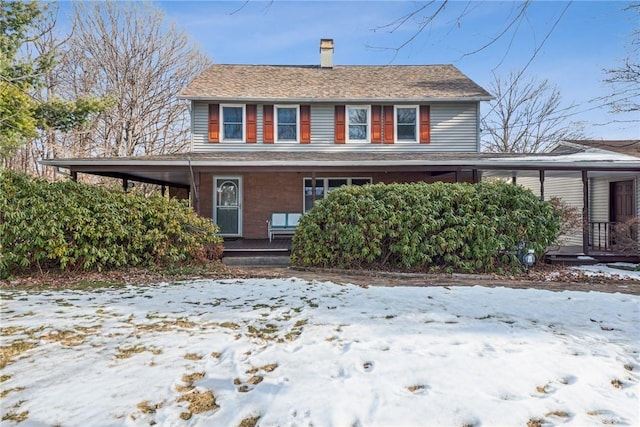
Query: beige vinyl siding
200	125
322	125
569	189
453	129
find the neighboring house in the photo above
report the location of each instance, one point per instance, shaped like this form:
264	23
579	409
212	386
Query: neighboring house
276	138
613	197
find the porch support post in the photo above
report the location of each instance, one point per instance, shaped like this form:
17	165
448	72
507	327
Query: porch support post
196	192
163	190
475	177
458	173
313	189
585	213
541	184
514	174
125	185
74	175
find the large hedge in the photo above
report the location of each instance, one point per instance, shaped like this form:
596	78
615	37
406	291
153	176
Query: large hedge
424	227
70	225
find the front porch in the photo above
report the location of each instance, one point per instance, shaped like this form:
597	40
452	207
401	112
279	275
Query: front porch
276	252
256	252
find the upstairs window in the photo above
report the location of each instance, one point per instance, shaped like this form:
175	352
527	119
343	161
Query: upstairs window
358	123
406	123
287	123
233	118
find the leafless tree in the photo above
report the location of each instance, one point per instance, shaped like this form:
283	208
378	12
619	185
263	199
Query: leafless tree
126	51
526	116
624	80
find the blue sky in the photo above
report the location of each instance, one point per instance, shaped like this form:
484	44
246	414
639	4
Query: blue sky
588	37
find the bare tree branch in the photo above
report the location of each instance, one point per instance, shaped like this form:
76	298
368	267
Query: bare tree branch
526	116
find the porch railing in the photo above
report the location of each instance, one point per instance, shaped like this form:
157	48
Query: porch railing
609	236
600	235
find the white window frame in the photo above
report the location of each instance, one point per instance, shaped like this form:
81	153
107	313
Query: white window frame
275	123
325	185
348	123
244	122
395	124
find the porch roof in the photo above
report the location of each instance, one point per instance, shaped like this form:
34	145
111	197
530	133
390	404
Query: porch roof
177	169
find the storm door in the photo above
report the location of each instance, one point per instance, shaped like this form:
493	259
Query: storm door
228	205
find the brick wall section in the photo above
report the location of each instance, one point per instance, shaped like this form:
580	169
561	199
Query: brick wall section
265	193
205	196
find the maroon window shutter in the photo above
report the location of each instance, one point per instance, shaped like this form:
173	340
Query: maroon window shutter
388	124
425	124
214	122
305	124
267	128
252	123
339	124
376	124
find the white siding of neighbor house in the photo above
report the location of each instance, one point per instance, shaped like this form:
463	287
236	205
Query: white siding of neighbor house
453	129
569	189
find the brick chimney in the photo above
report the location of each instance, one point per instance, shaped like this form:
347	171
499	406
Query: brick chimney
326	53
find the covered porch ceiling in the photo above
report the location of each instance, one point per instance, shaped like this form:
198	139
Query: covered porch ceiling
178	170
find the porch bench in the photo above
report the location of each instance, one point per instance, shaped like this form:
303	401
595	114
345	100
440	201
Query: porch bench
283	223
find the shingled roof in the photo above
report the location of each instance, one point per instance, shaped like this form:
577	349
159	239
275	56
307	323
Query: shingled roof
337	84
624	146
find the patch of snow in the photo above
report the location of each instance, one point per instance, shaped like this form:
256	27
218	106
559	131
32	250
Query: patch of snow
608	270
300	353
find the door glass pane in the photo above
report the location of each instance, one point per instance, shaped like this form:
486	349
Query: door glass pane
228	194
228	206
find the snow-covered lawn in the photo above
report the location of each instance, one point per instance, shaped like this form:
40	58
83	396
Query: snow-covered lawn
288	352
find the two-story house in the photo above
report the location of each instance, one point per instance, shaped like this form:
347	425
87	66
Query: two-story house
301	131
276	138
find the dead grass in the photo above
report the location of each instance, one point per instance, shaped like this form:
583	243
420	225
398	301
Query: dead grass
4	393
535	422
126	352
617	383
543	389
249	422
149	408
66	338
256	379
188	380
9	352
560	414
416	387
198	402
193	356
266	368
4	378
12	415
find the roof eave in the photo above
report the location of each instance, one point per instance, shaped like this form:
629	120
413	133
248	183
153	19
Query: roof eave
338	100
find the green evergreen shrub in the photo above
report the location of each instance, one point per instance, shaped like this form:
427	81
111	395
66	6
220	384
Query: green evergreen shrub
70	225
424	227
